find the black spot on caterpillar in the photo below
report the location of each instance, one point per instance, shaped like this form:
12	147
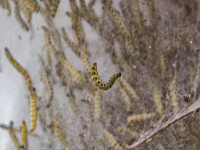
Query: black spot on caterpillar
98	81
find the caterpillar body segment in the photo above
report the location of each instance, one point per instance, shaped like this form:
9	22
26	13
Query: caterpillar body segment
14	137
54	7
98	81
33	111
24	135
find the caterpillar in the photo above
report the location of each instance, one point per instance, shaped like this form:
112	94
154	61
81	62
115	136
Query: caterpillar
85	59
98	81
18	16
112	141
54	7
174	98
14	137
129	89
5	4
97	104
70	43
33	110
26	11
140	117
24	135
31	89
158	101
58	133
125	97
61	57
128	131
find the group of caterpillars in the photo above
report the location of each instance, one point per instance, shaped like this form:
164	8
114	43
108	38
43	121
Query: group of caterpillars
13	136
33	98
105	86
27	7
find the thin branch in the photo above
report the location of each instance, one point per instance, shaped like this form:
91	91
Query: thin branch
153	132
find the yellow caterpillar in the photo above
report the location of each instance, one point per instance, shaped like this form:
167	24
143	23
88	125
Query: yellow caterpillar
54	7
24	135
98	81
58	133
29	84
14	137
33	110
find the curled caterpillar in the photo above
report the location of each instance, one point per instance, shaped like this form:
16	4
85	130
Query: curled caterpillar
24	135
98	81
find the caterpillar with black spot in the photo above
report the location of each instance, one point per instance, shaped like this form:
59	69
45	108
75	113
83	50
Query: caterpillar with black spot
33	112
98	81
24	135
14	137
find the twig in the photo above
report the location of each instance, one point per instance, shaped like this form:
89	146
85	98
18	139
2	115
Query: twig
150	134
